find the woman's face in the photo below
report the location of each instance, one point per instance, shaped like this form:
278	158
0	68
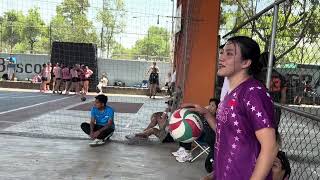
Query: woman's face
277	171
212	107
230	60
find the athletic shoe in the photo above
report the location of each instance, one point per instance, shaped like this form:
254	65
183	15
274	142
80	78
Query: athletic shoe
180	151
108	137
185	157
96	142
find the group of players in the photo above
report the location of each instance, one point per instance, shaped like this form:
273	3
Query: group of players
65	78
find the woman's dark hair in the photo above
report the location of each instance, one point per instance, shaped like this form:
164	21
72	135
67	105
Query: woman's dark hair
215	100
221	46
249	50
285	163
264	58
44	65
102	98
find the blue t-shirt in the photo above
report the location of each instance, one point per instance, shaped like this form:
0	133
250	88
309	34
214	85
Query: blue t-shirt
103	118
13	62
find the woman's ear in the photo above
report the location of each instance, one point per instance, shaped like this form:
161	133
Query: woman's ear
246	63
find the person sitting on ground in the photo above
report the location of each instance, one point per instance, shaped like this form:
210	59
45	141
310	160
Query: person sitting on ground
183	154
103	82
101	126
160	119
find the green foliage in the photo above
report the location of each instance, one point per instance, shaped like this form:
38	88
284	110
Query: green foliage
12	27
34	28
71	23
155	44
297	32
111	17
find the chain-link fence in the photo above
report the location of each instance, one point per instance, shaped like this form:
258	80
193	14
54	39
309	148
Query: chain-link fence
298	63
121	29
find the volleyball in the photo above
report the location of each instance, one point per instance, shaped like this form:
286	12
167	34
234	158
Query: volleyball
185	126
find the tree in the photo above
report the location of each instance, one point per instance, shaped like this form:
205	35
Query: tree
34	27
71	23
111	17
120	52
12	27
155	44
298	25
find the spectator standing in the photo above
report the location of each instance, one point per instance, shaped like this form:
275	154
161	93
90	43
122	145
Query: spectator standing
12	62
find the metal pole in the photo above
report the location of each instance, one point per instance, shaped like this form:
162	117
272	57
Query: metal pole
299	112
101	42
272	44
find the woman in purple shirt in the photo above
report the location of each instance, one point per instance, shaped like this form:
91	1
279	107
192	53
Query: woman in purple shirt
245	137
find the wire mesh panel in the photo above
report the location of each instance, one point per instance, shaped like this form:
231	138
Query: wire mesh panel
117	38
300	141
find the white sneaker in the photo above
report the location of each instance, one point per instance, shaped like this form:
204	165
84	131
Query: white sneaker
185	157
97	142
179	152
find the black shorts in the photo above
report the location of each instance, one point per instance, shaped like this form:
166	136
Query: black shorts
66	80
44	79
85	79
75	79
58	78
154	78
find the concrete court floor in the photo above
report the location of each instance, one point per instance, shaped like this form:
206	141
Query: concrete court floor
41	159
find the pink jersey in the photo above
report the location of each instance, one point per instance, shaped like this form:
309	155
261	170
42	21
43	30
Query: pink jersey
66	73
57	72
45	72
74	73
88	73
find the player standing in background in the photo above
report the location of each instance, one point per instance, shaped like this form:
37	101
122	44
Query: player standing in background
66	76
153	79
82	77
75	79
44	78
87	74
57	78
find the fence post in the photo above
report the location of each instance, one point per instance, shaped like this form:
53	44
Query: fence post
272	44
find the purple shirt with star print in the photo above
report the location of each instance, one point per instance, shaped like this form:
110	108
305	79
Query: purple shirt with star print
245	110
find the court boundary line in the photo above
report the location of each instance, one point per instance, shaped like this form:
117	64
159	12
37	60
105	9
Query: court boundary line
34	105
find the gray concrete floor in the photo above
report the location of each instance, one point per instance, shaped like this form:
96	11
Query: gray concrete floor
39	158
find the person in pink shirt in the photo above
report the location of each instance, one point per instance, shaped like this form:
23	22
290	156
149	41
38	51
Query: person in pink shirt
45	73
66	77
82	77
49	66
87	74
75	80
57	78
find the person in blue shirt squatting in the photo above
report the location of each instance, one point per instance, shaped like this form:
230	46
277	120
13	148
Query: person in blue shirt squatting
101	126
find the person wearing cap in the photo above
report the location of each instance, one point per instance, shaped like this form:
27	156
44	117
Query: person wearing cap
11	66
